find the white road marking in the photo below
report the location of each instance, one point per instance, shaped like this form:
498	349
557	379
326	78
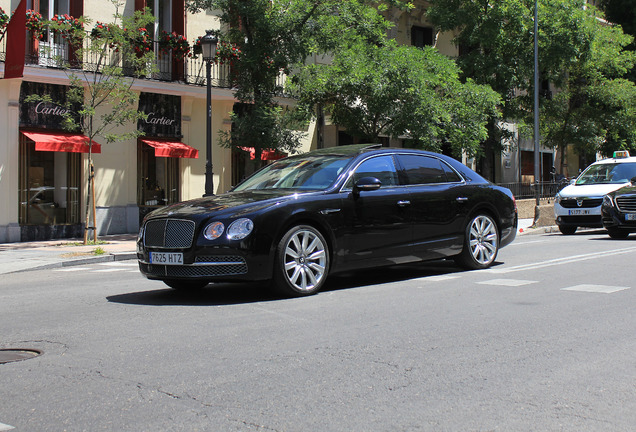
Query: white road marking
559	261
5	427
438	278
507	282
108	270
130	263
72	269
605	289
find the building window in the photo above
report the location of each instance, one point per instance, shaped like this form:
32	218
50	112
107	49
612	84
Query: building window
158	179
49	186
422	36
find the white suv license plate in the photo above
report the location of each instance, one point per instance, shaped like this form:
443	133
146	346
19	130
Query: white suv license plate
578	212
166	258
630	217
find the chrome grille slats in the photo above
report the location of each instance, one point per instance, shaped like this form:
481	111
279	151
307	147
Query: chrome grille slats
626	203
169	233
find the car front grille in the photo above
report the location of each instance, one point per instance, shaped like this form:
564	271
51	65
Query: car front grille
585	203
169	233
207	266
626	203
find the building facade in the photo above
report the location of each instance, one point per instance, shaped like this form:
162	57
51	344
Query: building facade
44	171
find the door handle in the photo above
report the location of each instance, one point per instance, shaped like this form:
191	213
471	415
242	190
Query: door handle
461	199
403	203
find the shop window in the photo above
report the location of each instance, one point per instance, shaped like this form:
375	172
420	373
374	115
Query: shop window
49	186
158	179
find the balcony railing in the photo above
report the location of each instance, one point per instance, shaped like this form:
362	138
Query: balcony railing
56	52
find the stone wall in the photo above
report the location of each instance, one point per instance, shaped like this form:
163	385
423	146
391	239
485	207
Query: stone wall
546	211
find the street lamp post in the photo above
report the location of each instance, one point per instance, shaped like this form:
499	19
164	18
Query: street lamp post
208	48
537	160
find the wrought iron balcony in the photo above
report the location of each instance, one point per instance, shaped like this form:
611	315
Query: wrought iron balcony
55	52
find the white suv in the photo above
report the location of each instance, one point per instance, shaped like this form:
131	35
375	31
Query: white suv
579	204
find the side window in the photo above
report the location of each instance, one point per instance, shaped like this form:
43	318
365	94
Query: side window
381	167
422	169
451	174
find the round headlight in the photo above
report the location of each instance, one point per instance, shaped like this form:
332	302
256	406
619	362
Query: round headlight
213	230
239	229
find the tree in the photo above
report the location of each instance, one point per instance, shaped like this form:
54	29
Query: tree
496	40
101	72
400	91
275	37
623	13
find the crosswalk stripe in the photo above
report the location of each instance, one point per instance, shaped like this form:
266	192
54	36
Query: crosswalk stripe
604	289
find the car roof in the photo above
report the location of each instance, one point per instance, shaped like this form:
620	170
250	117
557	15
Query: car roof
631	159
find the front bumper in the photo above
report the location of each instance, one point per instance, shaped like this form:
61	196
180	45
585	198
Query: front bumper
578	217
212	264
613	219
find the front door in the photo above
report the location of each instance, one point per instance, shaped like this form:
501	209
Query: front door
378	222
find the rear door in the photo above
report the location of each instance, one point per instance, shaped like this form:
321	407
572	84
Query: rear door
438	205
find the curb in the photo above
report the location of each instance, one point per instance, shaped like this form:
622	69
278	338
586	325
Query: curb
111	257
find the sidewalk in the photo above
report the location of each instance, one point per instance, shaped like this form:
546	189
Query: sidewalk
17	257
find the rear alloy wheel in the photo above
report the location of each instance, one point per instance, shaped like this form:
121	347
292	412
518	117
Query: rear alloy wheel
185	285
302	261
567	230
481	243
617	234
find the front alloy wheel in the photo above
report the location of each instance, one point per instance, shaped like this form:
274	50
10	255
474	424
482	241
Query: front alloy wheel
302	261
481	243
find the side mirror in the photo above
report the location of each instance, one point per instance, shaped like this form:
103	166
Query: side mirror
366	184
633	180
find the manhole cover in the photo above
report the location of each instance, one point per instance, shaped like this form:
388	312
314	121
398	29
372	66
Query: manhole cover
12	355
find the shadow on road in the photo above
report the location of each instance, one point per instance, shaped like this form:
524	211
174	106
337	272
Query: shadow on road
223	294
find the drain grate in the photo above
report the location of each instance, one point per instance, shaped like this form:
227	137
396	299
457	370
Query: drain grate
16	354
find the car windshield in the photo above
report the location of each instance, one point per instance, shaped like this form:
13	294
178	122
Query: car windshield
304	173
608	173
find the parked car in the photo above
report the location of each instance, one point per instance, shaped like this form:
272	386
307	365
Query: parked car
304	217
619	211
579	204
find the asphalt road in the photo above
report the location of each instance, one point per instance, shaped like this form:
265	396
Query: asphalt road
544	341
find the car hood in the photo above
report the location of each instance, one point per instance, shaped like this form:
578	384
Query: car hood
232	203
592	190
625	190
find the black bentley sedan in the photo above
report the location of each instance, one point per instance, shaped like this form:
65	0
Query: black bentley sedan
304	217
618	211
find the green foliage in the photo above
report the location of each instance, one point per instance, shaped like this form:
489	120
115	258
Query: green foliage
400	91
277	37
579	54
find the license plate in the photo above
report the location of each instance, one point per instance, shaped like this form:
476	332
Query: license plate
630	217
578	212
166	258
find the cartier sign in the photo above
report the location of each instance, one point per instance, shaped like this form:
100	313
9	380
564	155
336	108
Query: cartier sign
43	114
163	115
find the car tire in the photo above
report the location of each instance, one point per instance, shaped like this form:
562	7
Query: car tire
481	243
302	262
567	230
617	234
185	285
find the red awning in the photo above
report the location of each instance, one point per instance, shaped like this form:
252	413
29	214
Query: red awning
265	154
172	149
61	142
